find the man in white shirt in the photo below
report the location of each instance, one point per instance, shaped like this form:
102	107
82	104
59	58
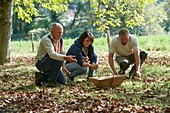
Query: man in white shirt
50	58
125	48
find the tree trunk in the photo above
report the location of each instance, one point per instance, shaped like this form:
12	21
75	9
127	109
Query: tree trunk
6	11
75	16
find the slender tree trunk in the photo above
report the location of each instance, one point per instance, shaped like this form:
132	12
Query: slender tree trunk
75	17
6	11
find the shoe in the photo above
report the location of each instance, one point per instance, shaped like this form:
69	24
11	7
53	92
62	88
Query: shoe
38	79
71	78
89	77
121	72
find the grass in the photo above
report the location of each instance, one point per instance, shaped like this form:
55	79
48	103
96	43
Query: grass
155	43
150	94
149	43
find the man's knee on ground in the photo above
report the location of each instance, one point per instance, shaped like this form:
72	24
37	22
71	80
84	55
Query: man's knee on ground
124	65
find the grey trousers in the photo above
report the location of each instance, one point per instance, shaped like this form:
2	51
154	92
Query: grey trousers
77	70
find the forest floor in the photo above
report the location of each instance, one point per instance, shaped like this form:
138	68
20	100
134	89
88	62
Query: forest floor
151	93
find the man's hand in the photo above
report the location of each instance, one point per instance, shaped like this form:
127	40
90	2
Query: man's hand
137	75
114	72
70	58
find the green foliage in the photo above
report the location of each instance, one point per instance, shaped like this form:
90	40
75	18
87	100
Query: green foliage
166	23
154	16
55	5
141	16
26	9
79	18
123	13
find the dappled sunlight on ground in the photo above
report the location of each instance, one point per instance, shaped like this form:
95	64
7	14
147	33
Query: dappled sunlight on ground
151	93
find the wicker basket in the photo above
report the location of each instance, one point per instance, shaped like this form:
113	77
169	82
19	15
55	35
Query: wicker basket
107	81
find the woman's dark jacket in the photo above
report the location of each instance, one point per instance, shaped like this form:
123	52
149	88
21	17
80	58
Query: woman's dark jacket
77	50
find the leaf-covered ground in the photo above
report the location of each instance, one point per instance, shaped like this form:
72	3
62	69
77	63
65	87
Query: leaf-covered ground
151	93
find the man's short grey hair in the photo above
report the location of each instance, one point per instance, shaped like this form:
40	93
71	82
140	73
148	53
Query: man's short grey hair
54	25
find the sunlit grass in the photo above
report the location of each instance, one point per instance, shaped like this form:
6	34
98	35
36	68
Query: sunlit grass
155	42
149	43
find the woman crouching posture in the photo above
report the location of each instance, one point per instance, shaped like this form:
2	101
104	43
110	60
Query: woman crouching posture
83	51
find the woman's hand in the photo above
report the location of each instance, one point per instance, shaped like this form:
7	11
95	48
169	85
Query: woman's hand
94	66
86	59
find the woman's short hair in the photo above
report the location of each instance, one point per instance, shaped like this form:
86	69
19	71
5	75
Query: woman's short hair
85	35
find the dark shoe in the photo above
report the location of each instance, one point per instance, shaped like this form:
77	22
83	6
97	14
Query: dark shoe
71	78
89	76
38	79
121	72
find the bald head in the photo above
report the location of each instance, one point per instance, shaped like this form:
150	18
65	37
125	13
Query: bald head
55	25
56	30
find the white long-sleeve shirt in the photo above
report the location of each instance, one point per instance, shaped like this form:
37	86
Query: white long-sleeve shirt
46	47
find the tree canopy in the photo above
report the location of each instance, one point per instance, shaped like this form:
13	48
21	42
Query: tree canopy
27	9
113	13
